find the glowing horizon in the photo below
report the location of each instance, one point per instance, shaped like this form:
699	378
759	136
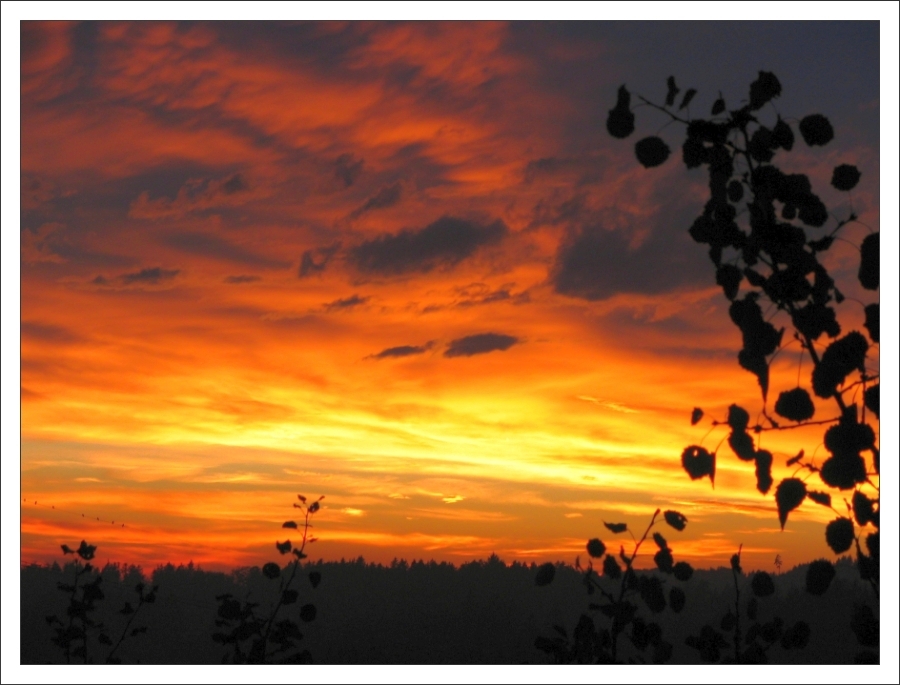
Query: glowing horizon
346	259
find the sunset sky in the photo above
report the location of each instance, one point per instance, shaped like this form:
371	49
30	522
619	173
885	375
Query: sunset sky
403	266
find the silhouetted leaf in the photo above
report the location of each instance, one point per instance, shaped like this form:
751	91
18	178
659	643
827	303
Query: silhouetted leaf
865	626
839	535
660	541
663	560
816	130
789	495
611	567
671	92
289	524
735	191
795	405
138	631
596	548
752	608
67	550
314	507
742	445
839	360
315	578
872	399
545	574
729	277
843	471
782	135
651	151
763	89
289	596
738	418
307	613
271	570
845	177
869	270
696	415
683	571
873	322
616	527
620	122
676	599
300	554
688	96
822	498
127	609
736	562
639	637
86	551
797	457
762	584
698	462
283	547
862	508
763	471
819	575
652	593
718	106
675	519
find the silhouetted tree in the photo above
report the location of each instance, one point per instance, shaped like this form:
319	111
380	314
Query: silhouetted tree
766	231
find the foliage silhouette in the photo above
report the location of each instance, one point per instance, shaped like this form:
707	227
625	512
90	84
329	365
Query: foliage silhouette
72	635
590	645
753	646
259	639
756	225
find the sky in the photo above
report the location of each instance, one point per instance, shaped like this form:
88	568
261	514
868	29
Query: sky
403	266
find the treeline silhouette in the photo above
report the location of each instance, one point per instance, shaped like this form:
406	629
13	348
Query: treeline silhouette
417	613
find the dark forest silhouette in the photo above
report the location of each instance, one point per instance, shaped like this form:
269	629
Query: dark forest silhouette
427	613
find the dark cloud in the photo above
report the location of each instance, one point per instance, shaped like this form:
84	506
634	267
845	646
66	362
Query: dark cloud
594	263
47	332
346	303
150	276
213	246
447	241
233	185
235	280
384	198
347	169
403	351
308	263
479	344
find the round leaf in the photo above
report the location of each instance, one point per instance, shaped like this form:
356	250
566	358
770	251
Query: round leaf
819	575
596	548
271	570
651	151
816	130
839	535
762	584
545	574
845	177
675	519
308	613
698	462
795	405
869	270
